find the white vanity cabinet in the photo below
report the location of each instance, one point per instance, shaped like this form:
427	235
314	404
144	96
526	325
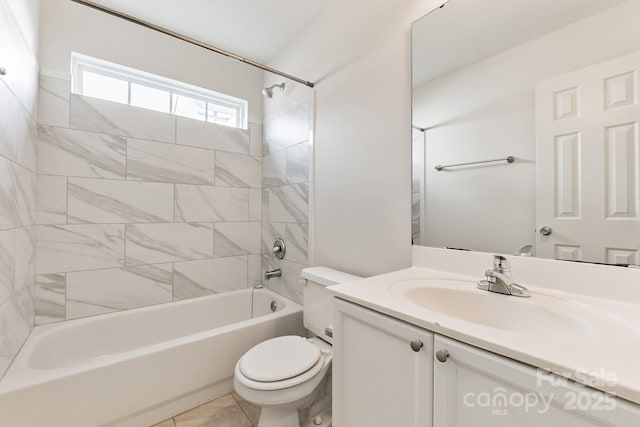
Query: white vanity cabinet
473	387
382	370
379	380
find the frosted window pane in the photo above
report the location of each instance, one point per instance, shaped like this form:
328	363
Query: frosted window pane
188	107
222	115
103	87
151	98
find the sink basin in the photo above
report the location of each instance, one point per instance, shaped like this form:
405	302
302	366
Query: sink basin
540	314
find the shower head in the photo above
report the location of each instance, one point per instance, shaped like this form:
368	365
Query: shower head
268	91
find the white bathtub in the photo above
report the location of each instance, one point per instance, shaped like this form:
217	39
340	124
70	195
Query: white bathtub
141	366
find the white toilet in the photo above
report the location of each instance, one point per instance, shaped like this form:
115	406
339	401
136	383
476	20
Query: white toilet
285	374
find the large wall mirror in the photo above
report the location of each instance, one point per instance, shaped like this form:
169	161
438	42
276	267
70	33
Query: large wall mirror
525	138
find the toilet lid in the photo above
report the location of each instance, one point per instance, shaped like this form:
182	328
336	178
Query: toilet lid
279	359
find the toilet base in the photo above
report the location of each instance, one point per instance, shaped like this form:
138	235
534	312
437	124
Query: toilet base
279	417
320	420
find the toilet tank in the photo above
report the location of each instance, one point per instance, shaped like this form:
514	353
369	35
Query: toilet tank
317	303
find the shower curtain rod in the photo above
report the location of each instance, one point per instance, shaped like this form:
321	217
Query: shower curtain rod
190	40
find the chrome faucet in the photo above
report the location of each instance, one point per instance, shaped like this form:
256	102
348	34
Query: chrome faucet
272	273
499	280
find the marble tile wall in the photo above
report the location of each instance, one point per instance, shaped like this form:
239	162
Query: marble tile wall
286	179
137	207
18	134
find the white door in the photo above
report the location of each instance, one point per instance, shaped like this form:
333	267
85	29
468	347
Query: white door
382	377
473	387
587	163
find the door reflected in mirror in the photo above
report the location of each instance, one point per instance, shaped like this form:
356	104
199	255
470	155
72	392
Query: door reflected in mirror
552	85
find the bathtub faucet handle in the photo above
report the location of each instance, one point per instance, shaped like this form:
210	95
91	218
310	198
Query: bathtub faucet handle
279	248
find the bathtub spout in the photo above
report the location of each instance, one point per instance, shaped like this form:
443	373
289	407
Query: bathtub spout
272	273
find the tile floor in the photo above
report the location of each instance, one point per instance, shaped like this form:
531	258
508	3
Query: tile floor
229	410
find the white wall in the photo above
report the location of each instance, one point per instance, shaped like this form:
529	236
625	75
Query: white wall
485	111
68	26
359	55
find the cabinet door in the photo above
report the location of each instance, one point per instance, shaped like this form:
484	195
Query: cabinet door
379	380
473	387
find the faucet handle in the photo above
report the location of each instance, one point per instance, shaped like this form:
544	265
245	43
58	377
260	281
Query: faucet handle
501	264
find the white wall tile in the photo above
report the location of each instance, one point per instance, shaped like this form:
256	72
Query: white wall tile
50	298
298	163
254	270
18	102
51	200
68	152
17	195
255	205
237	238
289	283
79	247
196	203
287	128
25	267
108	201
289	203
53	102
16	317
27	142
152	161
103	291
159	243
274	169
210	276
97	115
208	135
25	194
7	263
238	170
19	60
297	236
8	123
265	204
120	258
9	217
255	131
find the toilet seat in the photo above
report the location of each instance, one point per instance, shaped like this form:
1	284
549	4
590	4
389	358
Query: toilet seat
281	363
279	359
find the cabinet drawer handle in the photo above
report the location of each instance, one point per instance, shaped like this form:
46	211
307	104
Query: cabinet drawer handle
416	345
442	355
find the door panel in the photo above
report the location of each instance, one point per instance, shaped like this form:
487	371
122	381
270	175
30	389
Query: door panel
588	163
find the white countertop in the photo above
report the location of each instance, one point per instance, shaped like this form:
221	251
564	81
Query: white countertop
608	350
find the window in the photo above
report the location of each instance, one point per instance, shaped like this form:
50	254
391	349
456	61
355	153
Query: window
112	82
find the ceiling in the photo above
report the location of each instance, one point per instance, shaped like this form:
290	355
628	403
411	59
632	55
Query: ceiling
256	30
465	31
